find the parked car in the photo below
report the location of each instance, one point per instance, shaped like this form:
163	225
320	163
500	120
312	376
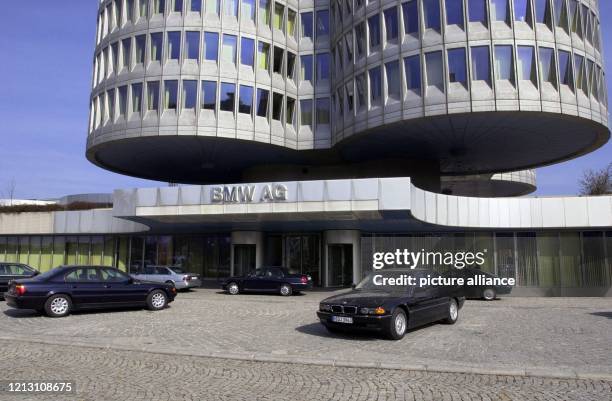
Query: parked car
170	275
64	289
13	271
391	309
268	279
486	292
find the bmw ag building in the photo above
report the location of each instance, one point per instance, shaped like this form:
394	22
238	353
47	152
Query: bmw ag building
309	133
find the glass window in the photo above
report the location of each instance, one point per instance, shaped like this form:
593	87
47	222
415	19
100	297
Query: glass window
560	14
277	106
126	45
247	51
140	49
159	6
291	15
393	80
374	27
477	11
410	10
434	70
174	45
322	23
247	10
504	63
196	6
481	65
348	42
262	102
156	46
279	54
279	16
581	82
110	96
231	8
456	66
291	65
136	97
413	73
391	23
375	85
129	8
170	94
227	96
547	66
213	6
143	6
177	7
290	110
228	51
115	51
431	14
322	66
209	95
360	39
306	71
264	12
361	91
526	64
245	101
306	112
153	95
190	94
211	45
193	45
500	9
521	10
123	101
322	111
306	24
263	55
543	12
454	12
565	69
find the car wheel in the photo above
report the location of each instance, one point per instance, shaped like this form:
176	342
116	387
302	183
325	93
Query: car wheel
58	305
233	289
397	325
453	312
489	294
157	300
285	290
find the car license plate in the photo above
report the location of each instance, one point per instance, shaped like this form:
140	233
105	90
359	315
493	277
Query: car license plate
342	319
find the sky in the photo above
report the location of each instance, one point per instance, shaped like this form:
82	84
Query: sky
45	81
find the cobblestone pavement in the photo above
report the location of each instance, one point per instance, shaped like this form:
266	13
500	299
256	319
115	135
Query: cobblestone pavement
129	375
537	336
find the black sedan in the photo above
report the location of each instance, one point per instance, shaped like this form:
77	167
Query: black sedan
268	279
63	289
378	305
13	271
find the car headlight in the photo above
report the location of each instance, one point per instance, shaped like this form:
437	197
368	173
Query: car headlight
325	307
373	311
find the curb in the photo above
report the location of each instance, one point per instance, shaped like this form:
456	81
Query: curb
544	372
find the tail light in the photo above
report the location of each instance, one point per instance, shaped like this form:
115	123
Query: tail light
304	279
20	289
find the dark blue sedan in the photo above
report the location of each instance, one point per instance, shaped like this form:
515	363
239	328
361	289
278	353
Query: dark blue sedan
64	289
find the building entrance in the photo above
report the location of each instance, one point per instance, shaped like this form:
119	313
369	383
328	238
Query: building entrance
340	265
244	259
300	253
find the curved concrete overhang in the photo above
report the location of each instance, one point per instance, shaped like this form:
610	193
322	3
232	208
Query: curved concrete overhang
377	204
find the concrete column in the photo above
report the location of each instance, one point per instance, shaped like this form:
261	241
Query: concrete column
247	238
352	237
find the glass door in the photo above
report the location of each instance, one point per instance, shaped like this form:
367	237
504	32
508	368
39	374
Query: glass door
244	259
340	265
302	255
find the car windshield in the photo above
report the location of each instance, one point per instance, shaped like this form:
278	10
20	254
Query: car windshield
379	281
177	270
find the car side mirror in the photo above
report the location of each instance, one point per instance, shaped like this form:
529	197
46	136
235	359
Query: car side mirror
130	280
353	286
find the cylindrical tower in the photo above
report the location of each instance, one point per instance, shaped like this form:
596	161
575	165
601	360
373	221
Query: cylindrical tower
227	90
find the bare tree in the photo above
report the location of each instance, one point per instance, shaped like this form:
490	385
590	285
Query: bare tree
597	182
9	190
